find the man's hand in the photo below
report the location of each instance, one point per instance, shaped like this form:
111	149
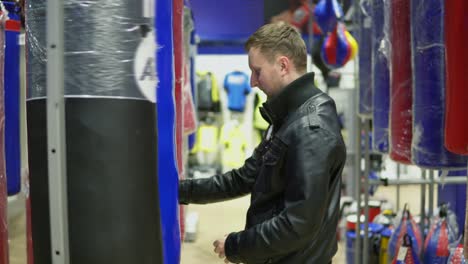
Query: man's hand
219	248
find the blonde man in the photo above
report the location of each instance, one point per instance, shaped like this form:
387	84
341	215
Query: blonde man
294	175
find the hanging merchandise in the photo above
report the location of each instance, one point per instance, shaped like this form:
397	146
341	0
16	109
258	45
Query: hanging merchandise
406	226
167	161
400	82
406	253
455	196
456	256
190	54
206	147
109	83
259	123
237	86
365	60
3	180
439	238
339	47
456	119
190	116
380	77
298	15
429	88
383	249
12	97
234	142
327	14
207	92
177	8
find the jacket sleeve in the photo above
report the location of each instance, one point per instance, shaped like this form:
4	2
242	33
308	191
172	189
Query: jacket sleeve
311	155
233	184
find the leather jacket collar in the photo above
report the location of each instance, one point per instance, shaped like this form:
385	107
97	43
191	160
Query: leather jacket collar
274	110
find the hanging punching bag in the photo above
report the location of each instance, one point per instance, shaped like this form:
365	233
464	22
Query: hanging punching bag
110	130
178	9
339	47
12	98
380	79
456	37
3	183
400	82
428	48
365	60
168	180
327	14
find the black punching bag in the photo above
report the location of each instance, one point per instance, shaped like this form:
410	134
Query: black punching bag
113	200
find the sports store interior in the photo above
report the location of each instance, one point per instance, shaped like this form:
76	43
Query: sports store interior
107	104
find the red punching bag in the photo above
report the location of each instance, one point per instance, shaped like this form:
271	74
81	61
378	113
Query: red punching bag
456	38
401	124
178	9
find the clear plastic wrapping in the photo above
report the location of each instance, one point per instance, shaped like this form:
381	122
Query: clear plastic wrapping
437	245
380	78
428	50
109	49
400	122
365	59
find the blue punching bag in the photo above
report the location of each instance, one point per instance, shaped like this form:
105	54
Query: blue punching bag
428	46
12	98
365	59
168	174
380	79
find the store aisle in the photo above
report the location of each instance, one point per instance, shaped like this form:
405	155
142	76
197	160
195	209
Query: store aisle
215	220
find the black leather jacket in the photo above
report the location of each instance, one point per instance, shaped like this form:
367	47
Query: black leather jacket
294	178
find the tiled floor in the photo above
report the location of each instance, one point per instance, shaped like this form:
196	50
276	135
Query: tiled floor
215	220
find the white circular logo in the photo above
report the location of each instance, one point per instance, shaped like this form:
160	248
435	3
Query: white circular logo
144	67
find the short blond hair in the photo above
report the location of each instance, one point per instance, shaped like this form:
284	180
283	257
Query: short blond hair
280	39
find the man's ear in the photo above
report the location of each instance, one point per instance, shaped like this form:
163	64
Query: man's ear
284	64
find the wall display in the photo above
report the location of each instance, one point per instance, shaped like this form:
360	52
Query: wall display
234	143
207	92
429	87
237	86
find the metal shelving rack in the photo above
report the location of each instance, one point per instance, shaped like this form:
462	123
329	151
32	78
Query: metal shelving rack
56	133
363	124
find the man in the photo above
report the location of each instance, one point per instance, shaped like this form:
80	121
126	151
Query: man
298	15
294	175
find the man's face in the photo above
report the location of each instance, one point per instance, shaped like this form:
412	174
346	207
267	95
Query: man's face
266	75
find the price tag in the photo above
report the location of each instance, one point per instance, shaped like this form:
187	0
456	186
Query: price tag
21	41
402	254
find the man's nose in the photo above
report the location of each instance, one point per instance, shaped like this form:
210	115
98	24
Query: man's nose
253	81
